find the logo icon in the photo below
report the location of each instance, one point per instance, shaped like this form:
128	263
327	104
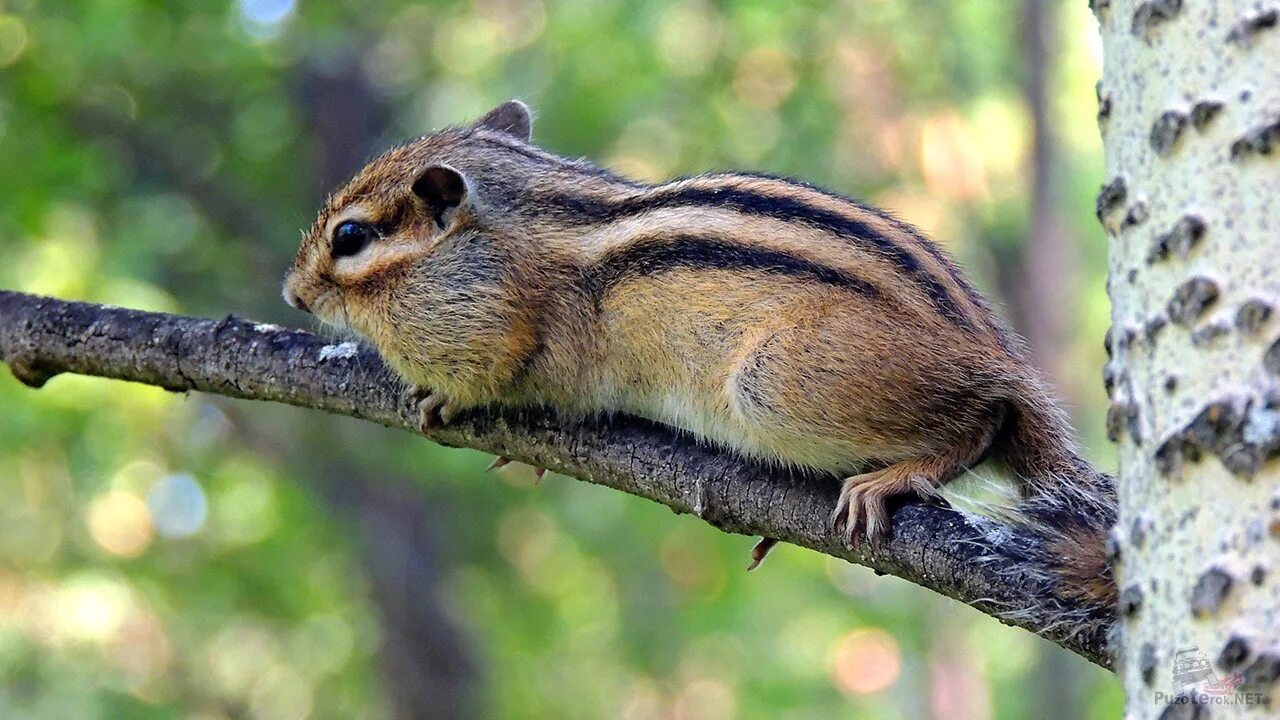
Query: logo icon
1193	676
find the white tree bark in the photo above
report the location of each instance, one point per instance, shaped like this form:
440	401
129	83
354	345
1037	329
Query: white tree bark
1190	118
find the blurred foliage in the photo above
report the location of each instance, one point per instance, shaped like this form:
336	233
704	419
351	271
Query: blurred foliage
167	556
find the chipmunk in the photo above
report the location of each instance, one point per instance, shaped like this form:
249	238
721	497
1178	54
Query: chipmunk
768	316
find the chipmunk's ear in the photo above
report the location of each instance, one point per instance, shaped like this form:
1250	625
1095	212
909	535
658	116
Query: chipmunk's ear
444	190
511	117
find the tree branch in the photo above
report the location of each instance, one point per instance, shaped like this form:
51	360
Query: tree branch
931	546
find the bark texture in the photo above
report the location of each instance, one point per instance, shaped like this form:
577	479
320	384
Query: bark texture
931	546
1190	116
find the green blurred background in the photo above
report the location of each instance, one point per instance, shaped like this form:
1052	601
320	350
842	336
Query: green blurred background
164	556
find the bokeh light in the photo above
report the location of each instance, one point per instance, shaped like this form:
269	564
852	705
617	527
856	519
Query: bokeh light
120	523
13	39
866	660
705	699
266	12
764	78
178	506
263	19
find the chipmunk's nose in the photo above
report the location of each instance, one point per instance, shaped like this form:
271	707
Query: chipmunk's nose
292	298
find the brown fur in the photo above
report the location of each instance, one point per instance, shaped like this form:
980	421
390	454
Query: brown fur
1085	573
774	318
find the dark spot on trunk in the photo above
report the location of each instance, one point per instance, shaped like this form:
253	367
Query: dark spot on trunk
1203	112
1130	601
1137	214
1220	429
1168	457
1122	416
1181	238
1112	548
1205	335
1147	663
1257	141
1191	299
1261	675
1110	197
1233	654
1154	325
1166	131
1252	315
1210	591
1242	34
1271	358
1141	527
1152	13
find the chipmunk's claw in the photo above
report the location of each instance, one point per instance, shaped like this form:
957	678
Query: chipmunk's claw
502	461
448	412
434	410
760	552
859	510
863	500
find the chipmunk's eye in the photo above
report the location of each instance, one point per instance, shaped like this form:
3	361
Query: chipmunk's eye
351	237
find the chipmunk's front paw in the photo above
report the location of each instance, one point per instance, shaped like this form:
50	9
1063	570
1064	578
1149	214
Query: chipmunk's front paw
434	409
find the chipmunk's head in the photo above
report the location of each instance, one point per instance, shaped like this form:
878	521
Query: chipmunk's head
402	256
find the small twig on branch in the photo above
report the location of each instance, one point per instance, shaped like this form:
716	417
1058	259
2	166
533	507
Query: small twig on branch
931	546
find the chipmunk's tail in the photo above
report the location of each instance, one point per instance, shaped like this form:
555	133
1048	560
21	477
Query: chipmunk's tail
1054	537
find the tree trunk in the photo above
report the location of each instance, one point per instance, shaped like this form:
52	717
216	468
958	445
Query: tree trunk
1190	116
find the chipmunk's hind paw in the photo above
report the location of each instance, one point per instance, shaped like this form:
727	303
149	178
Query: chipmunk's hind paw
434	409
862	500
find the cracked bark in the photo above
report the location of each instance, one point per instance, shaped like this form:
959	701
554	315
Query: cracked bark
931	546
